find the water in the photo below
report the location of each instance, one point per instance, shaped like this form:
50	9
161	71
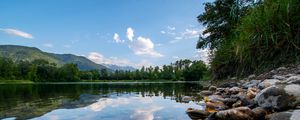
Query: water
106	101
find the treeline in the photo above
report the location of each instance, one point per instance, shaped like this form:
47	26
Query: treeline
37	71
180	70
43	71
250	36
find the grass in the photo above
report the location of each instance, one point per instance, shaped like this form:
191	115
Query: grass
16	82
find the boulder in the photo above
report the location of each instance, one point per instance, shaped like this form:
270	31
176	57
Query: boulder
195	114
259	113
252	83
240	113
293	80
251	77
235	90
294	115
229	85
212	88
278	77
206	93
267	83
186	99
273	98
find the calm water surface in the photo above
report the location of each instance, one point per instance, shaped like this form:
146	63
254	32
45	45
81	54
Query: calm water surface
106	101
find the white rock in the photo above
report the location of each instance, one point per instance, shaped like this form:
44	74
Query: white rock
295	115
293	89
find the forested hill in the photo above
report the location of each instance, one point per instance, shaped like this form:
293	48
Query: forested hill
18	53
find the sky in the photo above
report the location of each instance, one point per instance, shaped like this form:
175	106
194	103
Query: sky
121	32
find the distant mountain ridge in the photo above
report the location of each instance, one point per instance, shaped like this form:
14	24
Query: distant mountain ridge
116	67
18	53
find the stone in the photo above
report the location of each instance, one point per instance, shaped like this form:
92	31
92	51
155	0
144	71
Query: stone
197	114
293	80
259	113
273	98
240	113
278	77
251	93
252	83
267	83
281	68
186	99
237	104
229	85
293	115
212	88
281	116
251	77
293	90
206	93
235	90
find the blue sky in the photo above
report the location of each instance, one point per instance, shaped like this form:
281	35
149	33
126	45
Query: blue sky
122	32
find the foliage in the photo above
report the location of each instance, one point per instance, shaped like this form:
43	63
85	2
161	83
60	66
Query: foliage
264	37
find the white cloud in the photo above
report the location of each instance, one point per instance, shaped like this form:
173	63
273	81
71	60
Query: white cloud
130	33
101	59
103	103
144	46
67	46
171	28
117	38
175	57
16	32
163	32
145	113
202	54
49	45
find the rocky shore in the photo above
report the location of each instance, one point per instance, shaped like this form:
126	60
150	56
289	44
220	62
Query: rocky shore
274	95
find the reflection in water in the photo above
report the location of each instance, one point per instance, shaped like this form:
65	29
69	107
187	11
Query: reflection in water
96	101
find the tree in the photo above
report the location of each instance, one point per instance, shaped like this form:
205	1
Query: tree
219	18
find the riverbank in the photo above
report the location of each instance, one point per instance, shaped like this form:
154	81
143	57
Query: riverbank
273	95
204	83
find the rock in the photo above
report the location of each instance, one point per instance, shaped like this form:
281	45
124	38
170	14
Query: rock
252	83
294	115
281	116
281	68
267	83
197	114
293	90
235	90
278	77
259	113
293	80
251	93
251	77
240	113
298	71
237	104
186	99
206	93
212	88
273	98
229	85
215	106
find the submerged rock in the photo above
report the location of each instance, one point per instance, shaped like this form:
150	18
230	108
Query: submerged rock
240	113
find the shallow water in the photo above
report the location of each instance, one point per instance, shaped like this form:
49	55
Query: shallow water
105	101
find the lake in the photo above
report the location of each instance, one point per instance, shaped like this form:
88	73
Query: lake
105	101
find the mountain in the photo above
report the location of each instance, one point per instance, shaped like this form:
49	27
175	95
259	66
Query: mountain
116	67
18	53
